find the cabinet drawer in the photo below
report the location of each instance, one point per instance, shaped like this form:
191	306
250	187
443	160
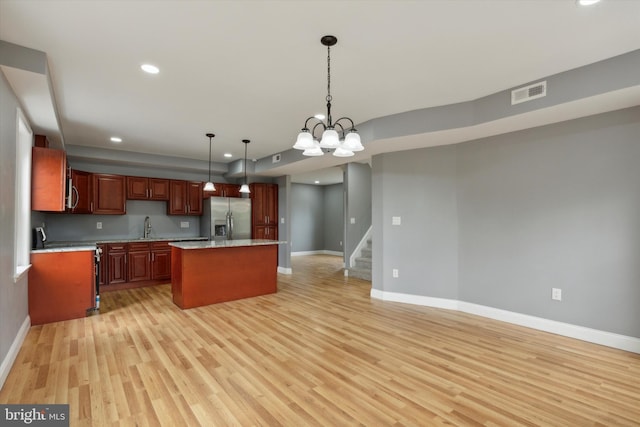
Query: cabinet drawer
138	246
160	245
116	247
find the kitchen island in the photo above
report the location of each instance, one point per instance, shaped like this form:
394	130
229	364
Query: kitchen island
204	273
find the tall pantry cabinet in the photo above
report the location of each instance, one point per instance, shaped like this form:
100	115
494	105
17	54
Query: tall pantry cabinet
264	220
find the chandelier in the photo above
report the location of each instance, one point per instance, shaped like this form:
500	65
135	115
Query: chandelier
340	136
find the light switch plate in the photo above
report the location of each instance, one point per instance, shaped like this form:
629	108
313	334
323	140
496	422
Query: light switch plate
98	225
353	221
184	224
396	220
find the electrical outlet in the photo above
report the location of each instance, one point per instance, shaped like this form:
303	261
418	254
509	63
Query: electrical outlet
353	221
395	273
556	294
282	220
98	225
184	224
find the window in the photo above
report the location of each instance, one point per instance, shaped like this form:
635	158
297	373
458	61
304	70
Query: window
22	247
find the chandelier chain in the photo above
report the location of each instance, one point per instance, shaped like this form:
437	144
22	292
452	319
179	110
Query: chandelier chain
329	74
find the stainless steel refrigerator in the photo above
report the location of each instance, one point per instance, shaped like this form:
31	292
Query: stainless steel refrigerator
226	218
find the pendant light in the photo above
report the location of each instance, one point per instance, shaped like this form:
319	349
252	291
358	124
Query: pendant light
209	185
340	136
245	188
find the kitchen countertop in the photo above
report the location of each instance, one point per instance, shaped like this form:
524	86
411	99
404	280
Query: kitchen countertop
74	248
225	243
86	245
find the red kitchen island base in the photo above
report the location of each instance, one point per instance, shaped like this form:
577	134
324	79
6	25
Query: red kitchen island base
204	273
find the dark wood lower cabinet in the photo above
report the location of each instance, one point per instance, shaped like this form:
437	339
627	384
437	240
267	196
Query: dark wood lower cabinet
265	232
160	261
116	264
135	264
139	259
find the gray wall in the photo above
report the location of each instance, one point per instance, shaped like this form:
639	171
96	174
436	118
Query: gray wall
419	187
317	218
13	296
307	218
333	206
357	182
500	221
284	223
76	227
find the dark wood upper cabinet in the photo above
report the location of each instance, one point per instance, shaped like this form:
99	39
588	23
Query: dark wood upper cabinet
48	176
223	190
109	194
158	189
142	188
185	198
81	192
194	198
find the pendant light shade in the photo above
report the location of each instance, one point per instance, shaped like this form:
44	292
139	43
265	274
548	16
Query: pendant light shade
340	136
330	139
244	188
209	185
304	141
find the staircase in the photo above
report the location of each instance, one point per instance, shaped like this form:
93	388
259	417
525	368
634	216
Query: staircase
362	269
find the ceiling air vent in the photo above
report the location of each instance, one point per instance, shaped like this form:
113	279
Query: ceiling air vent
527	93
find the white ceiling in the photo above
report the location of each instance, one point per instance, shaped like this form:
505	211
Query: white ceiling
257	70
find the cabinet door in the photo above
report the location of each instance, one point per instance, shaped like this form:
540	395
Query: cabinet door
48	175
137	188
194	197
218	192
81	191
158	189
117	267
177	204
258	216
161	264
231	190
260	232
271	204
139	265
109	194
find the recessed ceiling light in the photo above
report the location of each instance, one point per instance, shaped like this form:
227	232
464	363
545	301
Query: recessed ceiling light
319	116
316	182
151	69
228	155
587	2
116	139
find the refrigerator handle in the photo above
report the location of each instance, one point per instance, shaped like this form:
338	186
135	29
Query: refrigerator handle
229	226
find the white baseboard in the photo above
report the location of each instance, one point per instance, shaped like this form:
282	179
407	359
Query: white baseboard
322	252
595	336
7	363
285	270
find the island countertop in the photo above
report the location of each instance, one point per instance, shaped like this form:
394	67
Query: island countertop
212	244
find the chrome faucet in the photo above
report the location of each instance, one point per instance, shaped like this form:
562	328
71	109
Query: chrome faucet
147	228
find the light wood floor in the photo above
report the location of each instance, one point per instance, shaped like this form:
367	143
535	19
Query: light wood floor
319	352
